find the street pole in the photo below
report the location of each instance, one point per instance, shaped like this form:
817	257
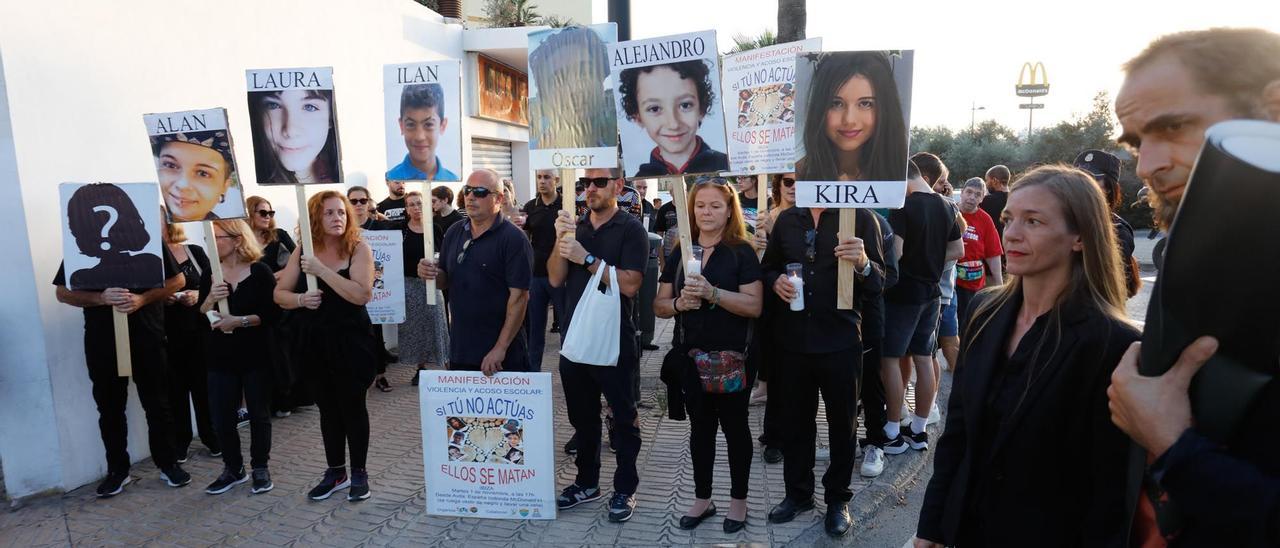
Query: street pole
1031	112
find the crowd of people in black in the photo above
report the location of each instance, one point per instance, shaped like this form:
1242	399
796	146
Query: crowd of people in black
1019	283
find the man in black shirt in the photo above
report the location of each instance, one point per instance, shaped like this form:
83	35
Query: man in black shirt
111	391
605	236
649	288
540	225
393	206
487	259
821	350
442	210
997	179
926	236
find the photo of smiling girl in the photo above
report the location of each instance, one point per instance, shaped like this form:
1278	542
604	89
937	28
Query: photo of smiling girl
670	102
195	165
295	131
853	109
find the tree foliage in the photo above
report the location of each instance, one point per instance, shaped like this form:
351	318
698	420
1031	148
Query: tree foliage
746	42
512	13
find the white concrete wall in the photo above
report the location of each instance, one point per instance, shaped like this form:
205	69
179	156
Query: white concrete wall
78	77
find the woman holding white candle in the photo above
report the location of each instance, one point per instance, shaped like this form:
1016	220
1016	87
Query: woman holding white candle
719	297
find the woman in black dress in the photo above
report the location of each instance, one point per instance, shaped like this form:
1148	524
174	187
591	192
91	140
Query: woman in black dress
237	364
287	391
1029	455
335	338
714	311
185	328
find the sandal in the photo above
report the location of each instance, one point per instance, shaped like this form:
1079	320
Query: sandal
382	384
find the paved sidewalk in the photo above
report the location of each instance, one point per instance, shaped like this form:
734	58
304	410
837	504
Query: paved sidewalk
149	513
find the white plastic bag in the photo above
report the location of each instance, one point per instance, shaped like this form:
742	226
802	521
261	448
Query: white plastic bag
595	328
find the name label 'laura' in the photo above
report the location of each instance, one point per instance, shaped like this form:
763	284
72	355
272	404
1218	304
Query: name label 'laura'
285	79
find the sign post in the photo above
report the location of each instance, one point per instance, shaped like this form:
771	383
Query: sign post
215	265
679	195
1029	88
762	203
124	358
428	237
304	225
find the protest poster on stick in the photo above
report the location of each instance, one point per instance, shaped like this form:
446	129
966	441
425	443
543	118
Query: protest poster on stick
852	114
759	107
487	444
668	93
111	238
387	305
195	165
295	126
572	121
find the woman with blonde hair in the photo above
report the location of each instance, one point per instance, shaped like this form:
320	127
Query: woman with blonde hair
275	242
424	335
335	337
237	364
1036	357
184	328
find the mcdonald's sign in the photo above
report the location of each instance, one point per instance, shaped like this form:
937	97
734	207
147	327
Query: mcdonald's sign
1029	87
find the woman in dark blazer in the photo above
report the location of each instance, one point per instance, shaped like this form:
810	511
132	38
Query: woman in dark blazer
1029	456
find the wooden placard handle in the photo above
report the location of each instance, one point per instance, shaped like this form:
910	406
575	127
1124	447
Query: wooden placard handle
679	196
844	281
124	358
762	204
215	264
569	195
304	227
428	237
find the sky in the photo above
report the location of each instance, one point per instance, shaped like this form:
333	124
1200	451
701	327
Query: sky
969	53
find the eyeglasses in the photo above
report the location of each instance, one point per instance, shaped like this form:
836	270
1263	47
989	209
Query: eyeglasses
359	201
478	191
788	182
463	254
598	182
810	242
266	213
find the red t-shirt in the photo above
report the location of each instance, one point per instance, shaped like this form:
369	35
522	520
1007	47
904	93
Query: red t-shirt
981	242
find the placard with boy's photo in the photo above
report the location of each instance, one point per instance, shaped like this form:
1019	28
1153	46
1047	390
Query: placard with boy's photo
423	103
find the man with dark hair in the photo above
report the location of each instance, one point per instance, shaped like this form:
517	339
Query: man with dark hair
540	225
997	181
605	237
393	206
422	123
1225	494
442	211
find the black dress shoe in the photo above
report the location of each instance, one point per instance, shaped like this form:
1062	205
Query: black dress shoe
788	509
772	455
690	522
650	346
838	519
732	526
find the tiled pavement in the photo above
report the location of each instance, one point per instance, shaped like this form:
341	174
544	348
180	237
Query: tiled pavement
149	513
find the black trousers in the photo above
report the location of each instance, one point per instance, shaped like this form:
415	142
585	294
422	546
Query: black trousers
729	411
873	396
583	386
189	382
225	389
775	420
648	291
344	419
835	376
111	394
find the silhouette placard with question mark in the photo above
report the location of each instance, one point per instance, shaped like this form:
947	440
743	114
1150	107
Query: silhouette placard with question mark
112	217
111	236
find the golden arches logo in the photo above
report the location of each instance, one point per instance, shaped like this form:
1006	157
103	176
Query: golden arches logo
1029	87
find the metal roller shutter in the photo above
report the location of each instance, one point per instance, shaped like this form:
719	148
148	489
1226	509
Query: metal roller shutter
495	155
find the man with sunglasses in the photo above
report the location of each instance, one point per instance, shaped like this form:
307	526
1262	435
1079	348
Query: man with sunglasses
605	236
821	350
489	261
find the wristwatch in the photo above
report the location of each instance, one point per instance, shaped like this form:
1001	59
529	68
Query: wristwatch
244	321
866	270
588	260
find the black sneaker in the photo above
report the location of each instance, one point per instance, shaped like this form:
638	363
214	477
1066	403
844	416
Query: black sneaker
242	417
621	506
184	455
359	485
772	455
571	446
215	453
917	440
335	479
896	447
113	484
414	382
574	495
261	481
175	476
226	480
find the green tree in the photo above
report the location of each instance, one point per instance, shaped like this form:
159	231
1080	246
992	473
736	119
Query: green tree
558	22
745	42
511	13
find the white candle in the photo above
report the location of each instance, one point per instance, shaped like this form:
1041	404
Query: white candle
797	304
693	267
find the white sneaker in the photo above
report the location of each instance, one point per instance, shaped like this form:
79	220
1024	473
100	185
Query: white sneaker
822	453
872	462
935	416
906	413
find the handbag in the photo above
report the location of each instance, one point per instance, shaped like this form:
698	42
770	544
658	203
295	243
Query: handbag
595	328
719	371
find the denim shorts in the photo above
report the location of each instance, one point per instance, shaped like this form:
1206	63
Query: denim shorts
948	322
910	329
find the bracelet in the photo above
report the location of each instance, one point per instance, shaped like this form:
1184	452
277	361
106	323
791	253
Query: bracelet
299	300
715	297
675	304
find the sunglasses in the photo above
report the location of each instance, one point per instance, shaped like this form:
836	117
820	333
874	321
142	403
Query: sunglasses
810	242
359	201
480	193
266	213
788	182
463	254
598	182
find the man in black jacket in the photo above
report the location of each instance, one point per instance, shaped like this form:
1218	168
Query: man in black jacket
1226	495
822	350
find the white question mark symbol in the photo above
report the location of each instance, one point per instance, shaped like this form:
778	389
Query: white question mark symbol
111	221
